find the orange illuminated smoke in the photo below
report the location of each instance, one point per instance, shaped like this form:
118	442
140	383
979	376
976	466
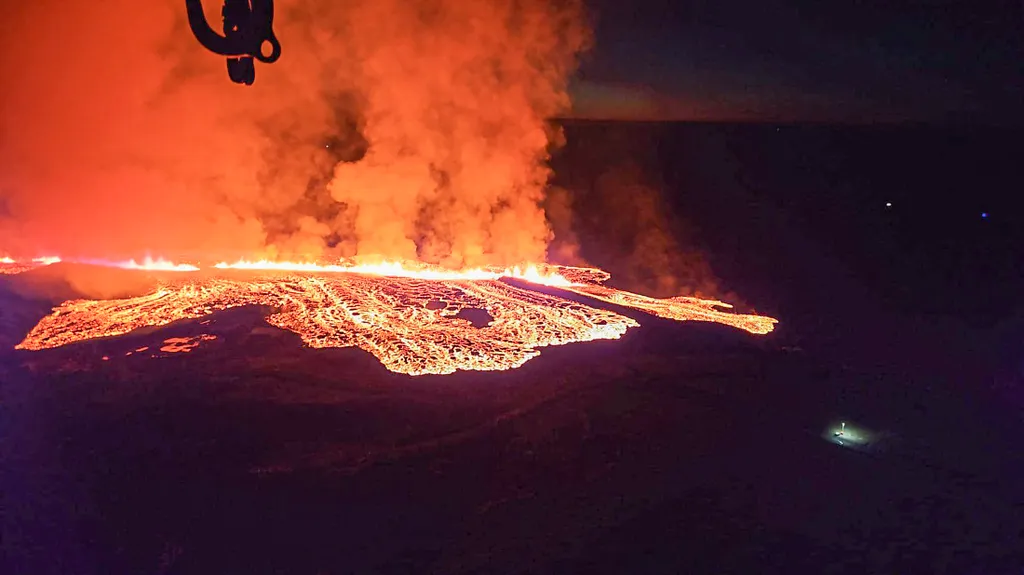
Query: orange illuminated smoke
413	318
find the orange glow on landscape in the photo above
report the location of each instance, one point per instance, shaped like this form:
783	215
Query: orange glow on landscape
421	132
148	263
412	130
12	266
7	268
408	315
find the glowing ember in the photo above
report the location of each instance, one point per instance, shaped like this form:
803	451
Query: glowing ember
11	268
411	317
184	344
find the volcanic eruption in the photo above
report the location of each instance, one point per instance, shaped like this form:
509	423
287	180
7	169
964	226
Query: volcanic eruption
386	177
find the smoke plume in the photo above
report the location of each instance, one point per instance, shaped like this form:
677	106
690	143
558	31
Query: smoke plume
624	225
389	128
611	207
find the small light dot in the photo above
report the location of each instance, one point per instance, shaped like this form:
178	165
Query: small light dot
888	204
984	215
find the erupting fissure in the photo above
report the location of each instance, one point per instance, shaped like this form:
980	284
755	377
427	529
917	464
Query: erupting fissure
407	315
412	130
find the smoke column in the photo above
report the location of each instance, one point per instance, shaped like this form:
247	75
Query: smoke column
389	128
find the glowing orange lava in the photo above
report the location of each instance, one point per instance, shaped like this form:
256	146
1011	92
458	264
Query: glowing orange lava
411	325
532	273
679	308
158	264
411	317
11	266
184	344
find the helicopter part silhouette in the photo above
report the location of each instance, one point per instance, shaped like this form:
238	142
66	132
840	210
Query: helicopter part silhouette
248	26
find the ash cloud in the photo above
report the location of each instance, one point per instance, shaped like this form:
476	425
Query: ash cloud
392	128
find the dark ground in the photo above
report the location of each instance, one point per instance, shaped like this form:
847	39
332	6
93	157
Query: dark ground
682	448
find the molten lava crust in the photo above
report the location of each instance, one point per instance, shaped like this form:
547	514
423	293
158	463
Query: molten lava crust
409	317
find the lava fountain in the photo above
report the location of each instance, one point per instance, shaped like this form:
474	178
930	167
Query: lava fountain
411	317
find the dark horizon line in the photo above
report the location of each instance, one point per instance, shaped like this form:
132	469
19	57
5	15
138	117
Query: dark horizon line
1013	125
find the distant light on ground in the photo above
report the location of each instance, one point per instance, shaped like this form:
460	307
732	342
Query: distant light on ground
850	435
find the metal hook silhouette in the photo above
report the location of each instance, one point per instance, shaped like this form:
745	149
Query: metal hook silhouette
248	24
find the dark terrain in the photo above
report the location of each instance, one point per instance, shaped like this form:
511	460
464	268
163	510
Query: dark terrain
686	448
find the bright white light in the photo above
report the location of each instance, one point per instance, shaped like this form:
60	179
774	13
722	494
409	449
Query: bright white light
852	435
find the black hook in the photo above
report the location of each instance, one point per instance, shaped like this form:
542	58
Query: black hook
248	24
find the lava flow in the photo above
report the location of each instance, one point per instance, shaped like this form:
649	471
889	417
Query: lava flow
412	318
11	266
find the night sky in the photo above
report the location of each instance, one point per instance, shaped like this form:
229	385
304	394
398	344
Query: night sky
806	60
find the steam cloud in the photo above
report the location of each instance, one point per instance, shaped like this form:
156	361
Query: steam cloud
389	128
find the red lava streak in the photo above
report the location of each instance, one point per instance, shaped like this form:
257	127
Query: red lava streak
184	344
